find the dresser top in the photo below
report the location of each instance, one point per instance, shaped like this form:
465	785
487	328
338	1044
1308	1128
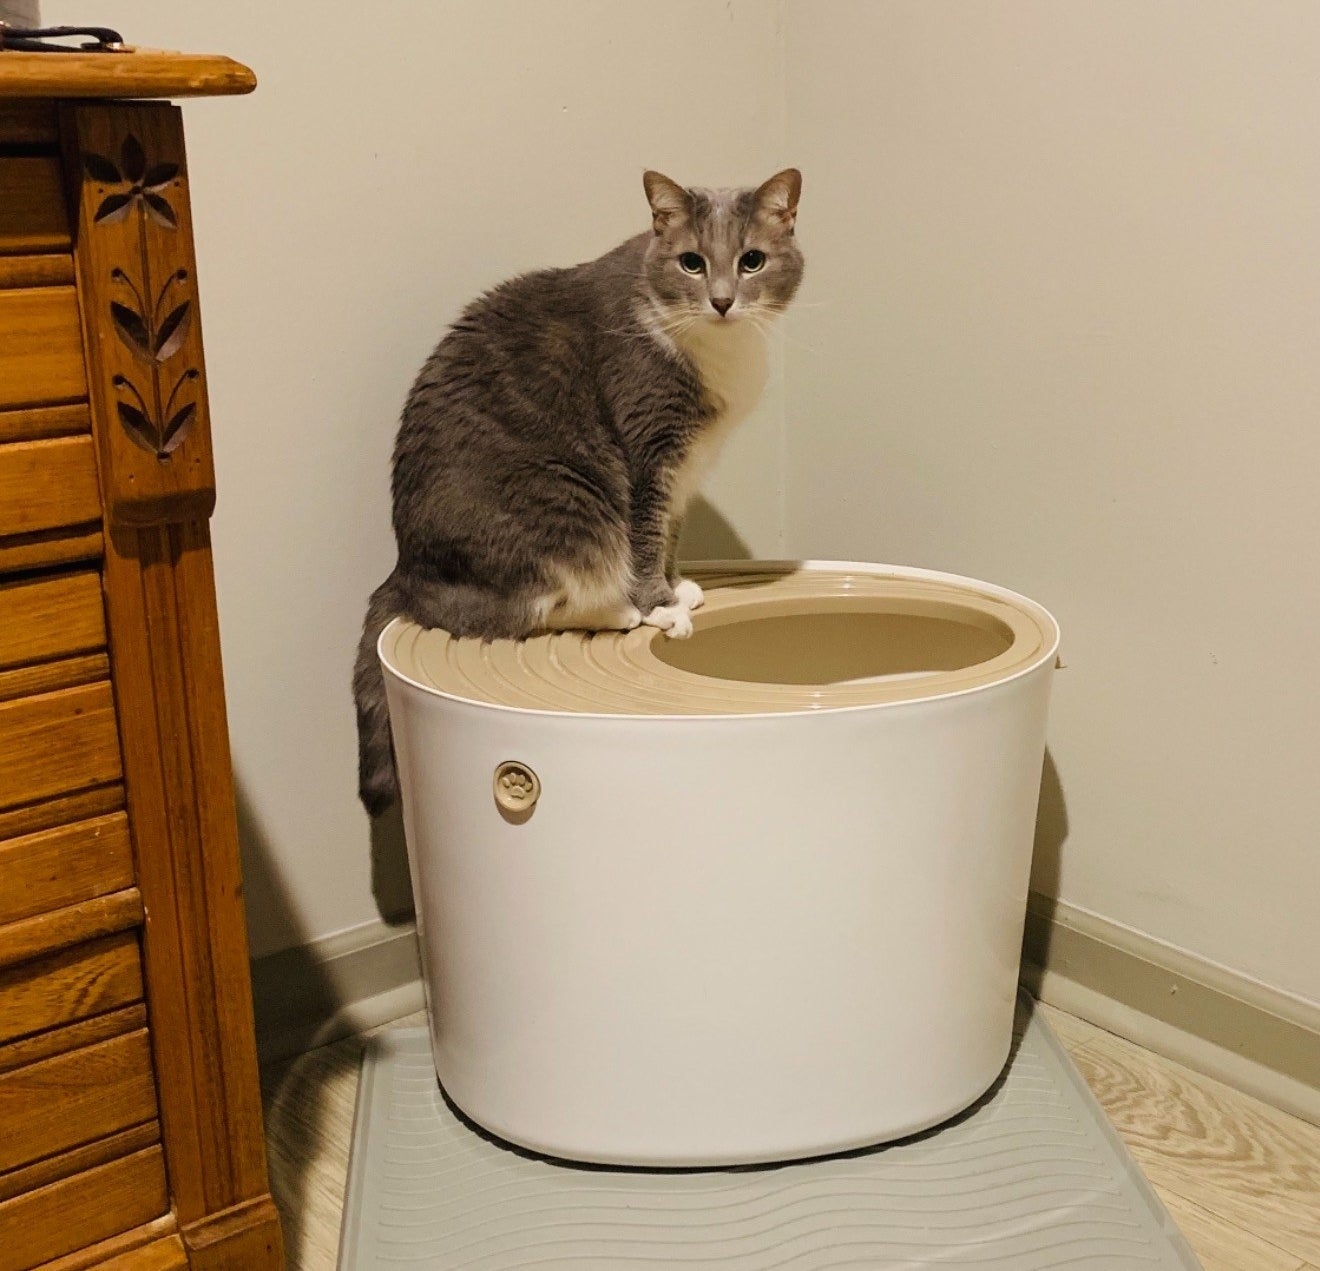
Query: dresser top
127	72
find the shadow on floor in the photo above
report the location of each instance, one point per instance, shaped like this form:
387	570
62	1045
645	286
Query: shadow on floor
289	985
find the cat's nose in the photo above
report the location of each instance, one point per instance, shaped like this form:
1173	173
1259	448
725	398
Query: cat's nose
721	306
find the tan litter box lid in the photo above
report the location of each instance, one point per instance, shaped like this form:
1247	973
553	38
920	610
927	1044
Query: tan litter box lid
767	640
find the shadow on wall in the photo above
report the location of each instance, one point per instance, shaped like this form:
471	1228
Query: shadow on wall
290	989
391	886
708	535
1051	834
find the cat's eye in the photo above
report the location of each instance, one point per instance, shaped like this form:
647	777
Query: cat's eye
691	263
752	261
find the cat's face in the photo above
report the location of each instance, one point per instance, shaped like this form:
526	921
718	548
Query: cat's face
722	255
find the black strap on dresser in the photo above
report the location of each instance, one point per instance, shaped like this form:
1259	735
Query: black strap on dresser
19	39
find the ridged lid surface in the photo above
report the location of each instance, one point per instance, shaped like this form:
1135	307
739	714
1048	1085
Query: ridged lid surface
769	639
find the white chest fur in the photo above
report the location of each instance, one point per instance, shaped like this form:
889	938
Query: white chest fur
731	359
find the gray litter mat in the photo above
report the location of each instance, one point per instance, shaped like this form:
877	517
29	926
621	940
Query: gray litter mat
1032	1177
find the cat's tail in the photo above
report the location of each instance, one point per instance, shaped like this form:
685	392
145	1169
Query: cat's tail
460	608
378	780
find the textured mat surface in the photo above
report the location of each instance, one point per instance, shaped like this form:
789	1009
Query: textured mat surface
1032	1177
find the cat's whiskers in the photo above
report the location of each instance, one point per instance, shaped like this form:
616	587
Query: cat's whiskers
763	324
665	324
640	330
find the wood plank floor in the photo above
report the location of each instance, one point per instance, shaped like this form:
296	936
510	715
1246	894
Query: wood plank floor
1241	1179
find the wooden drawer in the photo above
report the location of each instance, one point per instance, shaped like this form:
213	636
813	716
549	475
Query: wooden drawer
54	1220
44	421
41	358
50	270
75	1098
49	814
47	484
50	617
64	866
55	743
63	988
82	544
33	214
50	1169
161	1255
28	123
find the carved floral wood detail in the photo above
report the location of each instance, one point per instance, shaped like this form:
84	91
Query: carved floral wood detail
138	299
144	182
154	329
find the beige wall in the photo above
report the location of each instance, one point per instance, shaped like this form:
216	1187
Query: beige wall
395	160
20	12
1059	331
1066	258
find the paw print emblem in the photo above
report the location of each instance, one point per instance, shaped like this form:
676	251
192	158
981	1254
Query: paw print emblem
517	787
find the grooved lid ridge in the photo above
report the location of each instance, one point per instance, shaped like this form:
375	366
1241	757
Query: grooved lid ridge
771	638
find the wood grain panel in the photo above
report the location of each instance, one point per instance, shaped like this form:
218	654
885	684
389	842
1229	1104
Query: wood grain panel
63	928
51	617
47	483
72	545
160	594
1220	1246
66	420
121	1252
138	72
63	866
70	985
45	815
309	1115
1248	1163
55	1220
28	123
52	1168
146	379
57	742
46	677
163	1255
41	357
33	215
241	1238
87	1032
151	423
36	271
72	1099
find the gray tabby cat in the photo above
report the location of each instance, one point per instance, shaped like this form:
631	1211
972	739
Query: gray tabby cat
551	443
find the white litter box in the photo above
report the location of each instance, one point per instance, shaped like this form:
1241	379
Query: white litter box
749	897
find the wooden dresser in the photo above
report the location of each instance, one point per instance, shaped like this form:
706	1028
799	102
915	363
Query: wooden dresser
130	1118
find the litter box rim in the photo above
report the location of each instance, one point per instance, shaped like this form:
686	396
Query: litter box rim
937	688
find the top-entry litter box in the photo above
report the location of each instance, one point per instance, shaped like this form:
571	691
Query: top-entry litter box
753	896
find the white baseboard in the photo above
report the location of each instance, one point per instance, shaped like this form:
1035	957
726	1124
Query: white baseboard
347	983
1206	1016
1211	1018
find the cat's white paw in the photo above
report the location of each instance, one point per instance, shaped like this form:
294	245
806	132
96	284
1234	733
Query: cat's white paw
690	596
630	619
674	620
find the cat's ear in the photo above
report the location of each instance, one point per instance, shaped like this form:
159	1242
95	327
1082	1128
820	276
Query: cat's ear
777	198
670	202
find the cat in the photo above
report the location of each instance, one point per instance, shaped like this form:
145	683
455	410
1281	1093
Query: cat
550	445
